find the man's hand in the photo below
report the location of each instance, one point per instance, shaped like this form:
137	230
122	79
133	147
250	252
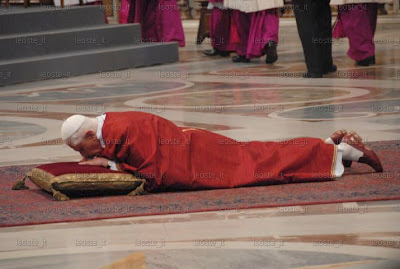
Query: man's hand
96	161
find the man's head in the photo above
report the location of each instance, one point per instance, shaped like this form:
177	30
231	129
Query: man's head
79	132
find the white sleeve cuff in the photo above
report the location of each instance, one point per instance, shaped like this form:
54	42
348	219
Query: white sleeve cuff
113	165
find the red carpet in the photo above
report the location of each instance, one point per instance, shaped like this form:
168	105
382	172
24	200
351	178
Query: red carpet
358	184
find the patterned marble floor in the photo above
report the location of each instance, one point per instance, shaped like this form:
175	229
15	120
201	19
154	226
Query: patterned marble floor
249	101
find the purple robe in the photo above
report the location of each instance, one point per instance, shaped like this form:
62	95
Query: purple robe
359	25
242	23
222	30
255	30
160	20
123	13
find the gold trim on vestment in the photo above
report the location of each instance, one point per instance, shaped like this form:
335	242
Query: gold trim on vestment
335	152
188	129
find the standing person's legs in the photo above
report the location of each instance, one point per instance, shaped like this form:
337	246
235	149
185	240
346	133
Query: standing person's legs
325	22
132	11
263	36
272	35
123	13
220	24
359	24
372	9
169	23
306	12
138	13
161	21
149	20
233	35
242	24
136	9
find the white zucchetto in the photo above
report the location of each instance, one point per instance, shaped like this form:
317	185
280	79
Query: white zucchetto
71	126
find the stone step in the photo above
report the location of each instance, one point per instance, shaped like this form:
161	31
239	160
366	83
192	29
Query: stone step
69	64
68	40
36	19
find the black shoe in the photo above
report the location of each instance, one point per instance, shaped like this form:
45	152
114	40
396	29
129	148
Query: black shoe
240	59
331	69
271	52
215	52
367	61
312	75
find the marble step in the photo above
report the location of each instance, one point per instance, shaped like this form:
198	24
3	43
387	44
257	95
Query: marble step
68	40
44	18
69	64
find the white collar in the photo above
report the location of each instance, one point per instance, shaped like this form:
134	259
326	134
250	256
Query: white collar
100	123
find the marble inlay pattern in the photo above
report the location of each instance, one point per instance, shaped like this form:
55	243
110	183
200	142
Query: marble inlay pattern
251	101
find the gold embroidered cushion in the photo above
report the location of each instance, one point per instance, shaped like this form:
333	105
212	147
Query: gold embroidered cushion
70	178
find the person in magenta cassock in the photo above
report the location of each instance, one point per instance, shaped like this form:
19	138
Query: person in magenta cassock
357	21
257	24
160	20
223	34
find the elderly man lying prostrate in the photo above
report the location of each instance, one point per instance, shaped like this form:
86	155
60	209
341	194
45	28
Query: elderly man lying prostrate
176	158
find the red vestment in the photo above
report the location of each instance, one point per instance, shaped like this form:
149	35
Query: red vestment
176	158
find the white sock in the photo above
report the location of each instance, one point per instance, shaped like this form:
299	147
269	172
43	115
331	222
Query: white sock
350	153
339	168
329	141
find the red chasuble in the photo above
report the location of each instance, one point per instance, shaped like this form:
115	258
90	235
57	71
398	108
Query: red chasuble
176	158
